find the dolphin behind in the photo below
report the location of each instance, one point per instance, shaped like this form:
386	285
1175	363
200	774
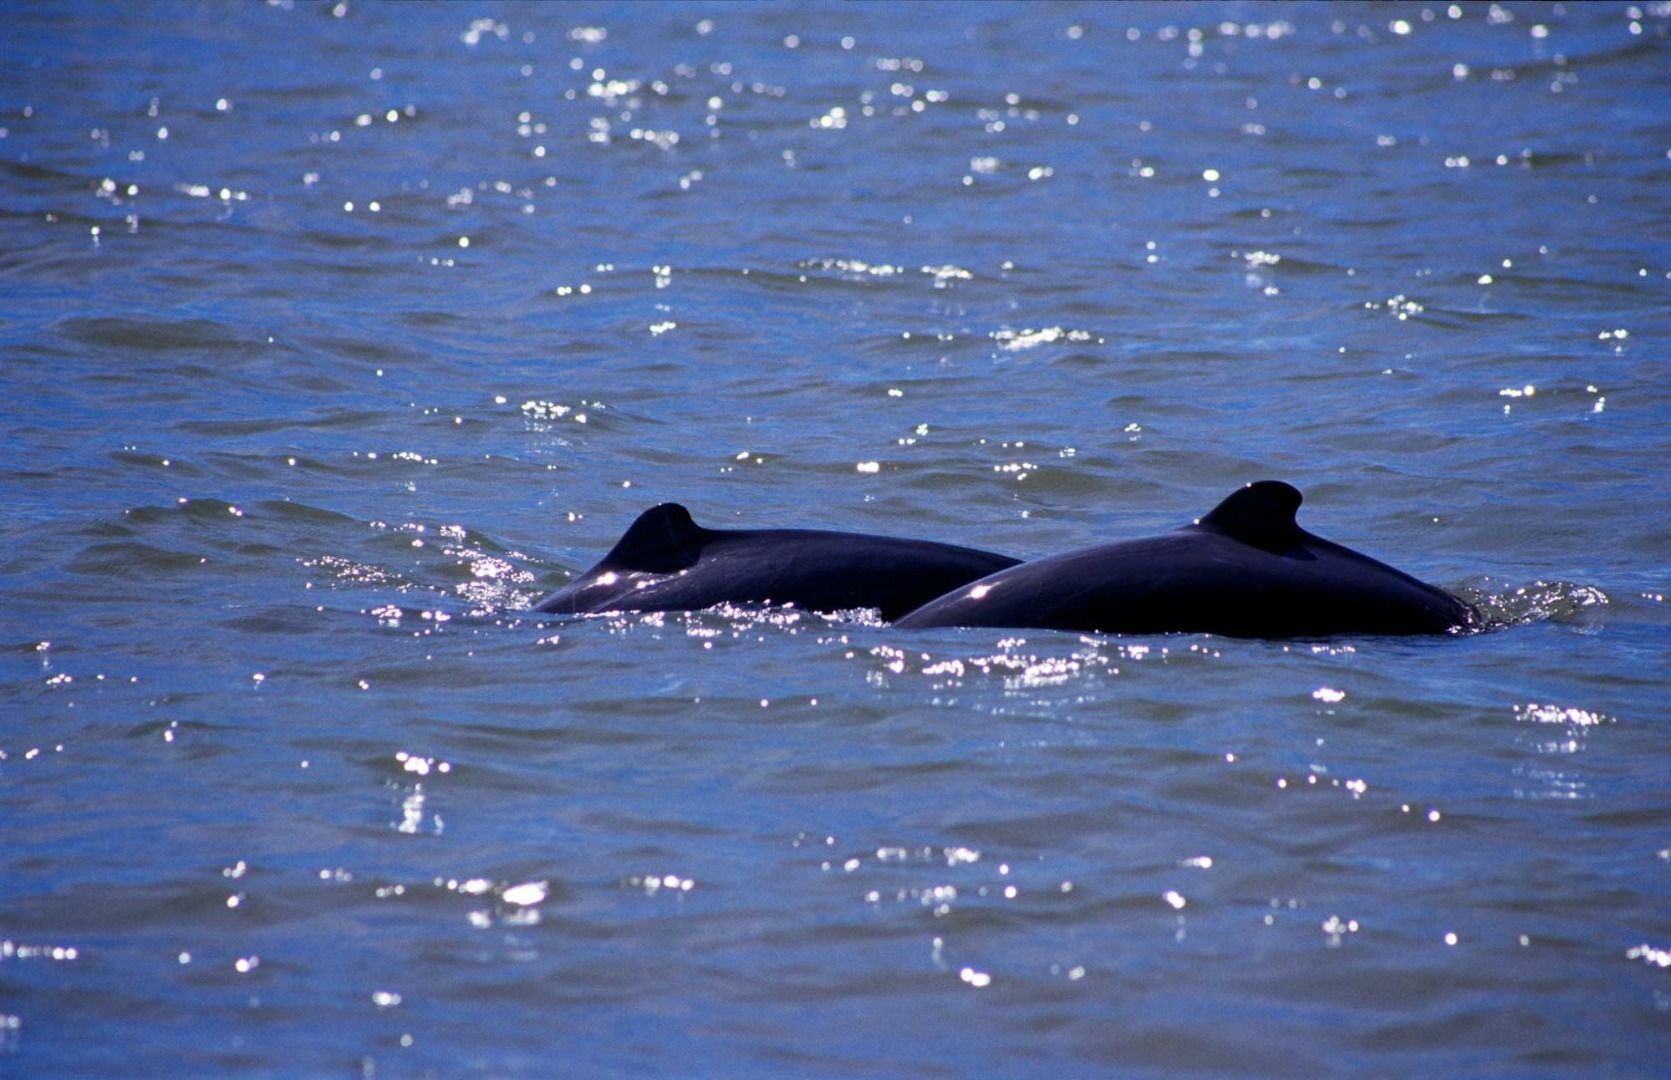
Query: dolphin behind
667	562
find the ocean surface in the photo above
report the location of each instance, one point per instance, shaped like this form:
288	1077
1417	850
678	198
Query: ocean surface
334	336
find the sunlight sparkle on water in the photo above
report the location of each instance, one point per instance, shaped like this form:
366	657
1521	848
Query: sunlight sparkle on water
1555	714
1648	954
528	893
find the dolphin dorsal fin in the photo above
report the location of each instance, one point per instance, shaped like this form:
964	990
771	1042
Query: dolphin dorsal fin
1260	515
662	540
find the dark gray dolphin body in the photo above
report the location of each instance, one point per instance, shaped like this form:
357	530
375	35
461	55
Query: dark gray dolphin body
667	562
1245	570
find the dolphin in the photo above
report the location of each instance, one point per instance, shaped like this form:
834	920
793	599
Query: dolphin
667	562
1245	570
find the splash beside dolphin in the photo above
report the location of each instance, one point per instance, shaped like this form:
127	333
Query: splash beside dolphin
667	562
1246	569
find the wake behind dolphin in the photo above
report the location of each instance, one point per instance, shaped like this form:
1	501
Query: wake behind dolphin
1246	569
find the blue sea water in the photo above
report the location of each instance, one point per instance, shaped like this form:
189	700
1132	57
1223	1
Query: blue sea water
333	336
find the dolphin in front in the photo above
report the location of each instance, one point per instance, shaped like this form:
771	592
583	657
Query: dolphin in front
1245	570
667	562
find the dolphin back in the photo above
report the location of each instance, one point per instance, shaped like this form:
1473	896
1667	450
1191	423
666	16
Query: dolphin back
667	562
1245	569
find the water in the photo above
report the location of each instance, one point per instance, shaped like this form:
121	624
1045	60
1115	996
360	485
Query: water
333	338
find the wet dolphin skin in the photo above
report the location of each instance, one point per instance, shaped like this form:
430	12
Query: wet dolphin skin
667	562
1244	570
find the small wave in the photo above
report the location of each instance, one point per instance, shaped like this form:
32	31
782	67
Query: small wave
1020	340
851	269
151	335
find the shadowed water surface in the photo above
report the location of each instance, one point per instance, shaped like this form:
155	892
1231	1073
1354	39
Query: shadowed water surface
333	337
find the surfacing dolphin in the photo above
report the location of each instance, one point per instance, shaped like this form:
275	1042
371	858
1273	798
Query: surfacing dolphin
667	562
1245	570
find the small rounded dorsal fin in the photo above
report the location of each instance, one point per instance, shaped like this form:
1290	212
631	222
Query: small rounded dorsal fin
1260	515
662	540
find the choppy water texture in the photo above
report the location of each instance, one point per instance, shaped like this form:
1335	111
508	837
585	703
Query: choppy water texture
332	337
